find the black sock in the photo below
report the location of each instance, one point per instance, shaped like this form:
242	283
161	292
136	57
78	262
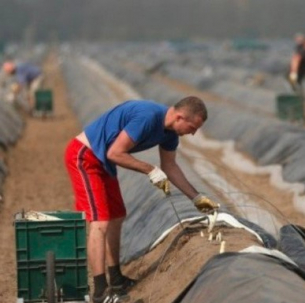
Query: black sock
115	275
100	284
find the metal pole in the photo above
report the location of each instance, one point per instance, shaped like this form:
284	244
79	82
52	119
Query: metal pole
168	195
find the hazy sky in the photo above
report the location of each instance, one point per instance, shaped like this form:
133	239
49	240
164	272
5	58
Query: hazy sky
146	19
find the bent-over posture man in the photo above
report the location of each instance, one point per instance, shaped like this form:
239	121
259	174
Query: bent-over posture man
28	76
91	159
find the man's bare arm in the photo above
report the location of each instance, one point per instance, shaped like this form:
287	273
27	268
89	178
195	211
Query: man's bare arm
119	154
175	174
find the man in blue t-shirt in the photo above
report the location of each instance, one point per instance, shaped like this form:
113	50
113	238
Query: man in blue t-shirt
27	76
110	140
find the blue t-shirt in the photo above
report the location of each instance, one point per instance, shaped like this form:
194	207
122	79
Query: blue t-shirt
143	121
26	73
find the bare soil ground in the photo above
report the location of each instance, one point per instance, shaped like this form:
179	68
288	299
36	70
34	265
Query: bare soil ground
167	270
38	181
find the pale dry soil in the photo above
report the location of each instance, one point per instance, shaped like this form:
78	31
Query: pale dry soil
37	179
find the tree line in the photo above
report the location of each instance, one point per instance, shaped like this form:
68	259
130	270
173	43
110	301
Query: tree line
147	19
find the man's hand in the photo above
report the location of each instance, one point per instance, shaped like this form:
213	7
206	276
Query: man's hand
11	98
158	178
204	204
15	89
293	78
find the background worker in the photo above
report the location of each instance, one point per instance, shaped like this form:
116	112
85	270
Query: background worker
27	76
297	64
91	159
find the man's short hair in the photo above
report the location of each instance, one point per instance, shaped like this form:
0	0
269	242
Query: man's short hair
194	106
8	67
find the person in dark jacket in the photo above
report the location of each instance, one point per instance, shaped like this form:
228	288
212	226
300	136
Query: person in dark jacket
27	76
297	64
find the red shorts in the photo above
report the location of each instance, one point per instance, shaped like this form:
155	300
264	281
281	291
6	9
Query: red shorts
96	192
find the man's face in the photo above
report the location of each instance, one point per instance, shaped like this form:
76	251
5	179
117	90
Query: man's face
299	40
186	124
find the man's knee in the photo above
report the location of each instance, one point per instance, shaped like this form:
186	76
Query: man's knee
99	226
105	226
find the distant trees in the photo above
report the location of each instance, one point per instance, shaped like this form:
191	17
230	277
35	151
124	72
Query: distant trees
158	19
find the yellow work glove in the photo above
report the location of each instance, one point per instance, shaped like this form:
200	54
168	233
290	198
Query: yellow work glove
204	204
158	178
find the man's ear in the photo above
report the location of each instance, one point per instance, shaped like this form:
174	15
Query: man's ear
179	116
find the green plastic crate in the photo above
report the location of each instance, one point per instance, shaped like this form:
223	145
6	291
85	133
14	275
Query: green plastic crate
67	239
290	107
44	100
242	44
